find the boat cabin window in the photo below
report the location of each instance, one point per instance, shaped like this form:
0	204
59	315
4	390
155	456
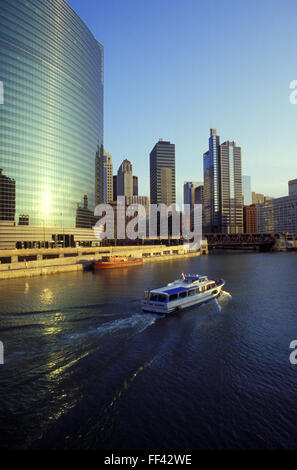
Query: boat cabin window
154	297
172	297
183	294
158	298
192	292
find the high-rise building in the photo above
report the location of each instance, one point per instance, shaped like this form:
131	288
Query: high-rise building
125	179
135	185
189	191
105	178
7	198
162	173
246	190
231	209
211	169
51	121
222	187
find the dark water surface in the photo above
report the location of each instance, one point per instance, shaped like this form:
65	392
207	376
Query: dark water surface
85	369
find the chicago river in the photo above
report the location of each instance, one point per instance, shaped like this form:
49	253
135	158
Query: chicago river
86	369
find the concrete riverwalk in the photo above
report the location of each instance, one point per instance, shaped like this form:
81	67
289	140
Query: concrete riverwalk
40	262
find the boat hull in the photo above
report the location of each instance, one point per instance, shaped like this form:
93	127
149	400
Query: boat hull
150	307
117	264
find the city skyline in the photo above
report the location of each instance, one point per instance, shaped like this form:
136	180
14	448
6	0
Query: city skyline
249	102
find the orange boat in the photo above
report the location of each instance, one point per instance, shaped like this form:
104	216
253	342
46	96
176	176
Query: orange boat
108	262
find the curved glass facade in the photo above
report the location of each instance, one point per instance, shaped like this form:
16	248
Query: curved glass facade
51	121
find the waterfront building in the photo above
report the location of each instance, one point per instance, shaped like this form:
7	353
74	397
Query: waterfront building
51	121
231	210
7	198
250	219
105	178
222	196
211	171
162	173
125	179
278	215
135	185
85	218
246	190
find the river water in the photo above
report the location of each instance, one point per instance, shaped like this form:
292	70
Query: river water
85	369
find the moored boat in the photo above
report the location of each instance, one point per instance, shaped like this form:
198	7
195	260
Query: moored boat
185	292
108	262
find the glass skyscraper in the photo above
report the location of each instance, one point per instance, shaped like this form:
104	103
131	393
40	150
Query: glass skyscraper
222	198
211	169
51	67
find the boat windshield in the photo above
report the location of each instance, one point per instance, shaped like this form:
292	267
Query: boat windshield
158	297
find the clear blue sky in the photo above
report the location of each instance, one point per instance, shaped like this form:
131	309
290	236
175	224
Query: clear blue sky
175	68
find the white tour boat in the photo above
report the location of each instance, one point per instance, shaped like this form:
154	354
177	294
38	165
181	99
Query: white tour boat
188	290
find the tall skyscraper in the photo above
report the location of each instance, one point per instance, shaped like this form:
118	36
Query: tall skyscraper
7	198
222	187
125	179
51	121
231	207
211	168
105	178
162	173
246	190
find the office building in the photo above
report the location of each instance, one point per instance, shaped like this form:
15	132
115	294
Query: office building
105	178
246	190
222	198
189	191
231	209
211	170
125	179
7	198
278	215
51	121
250	219
162	173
